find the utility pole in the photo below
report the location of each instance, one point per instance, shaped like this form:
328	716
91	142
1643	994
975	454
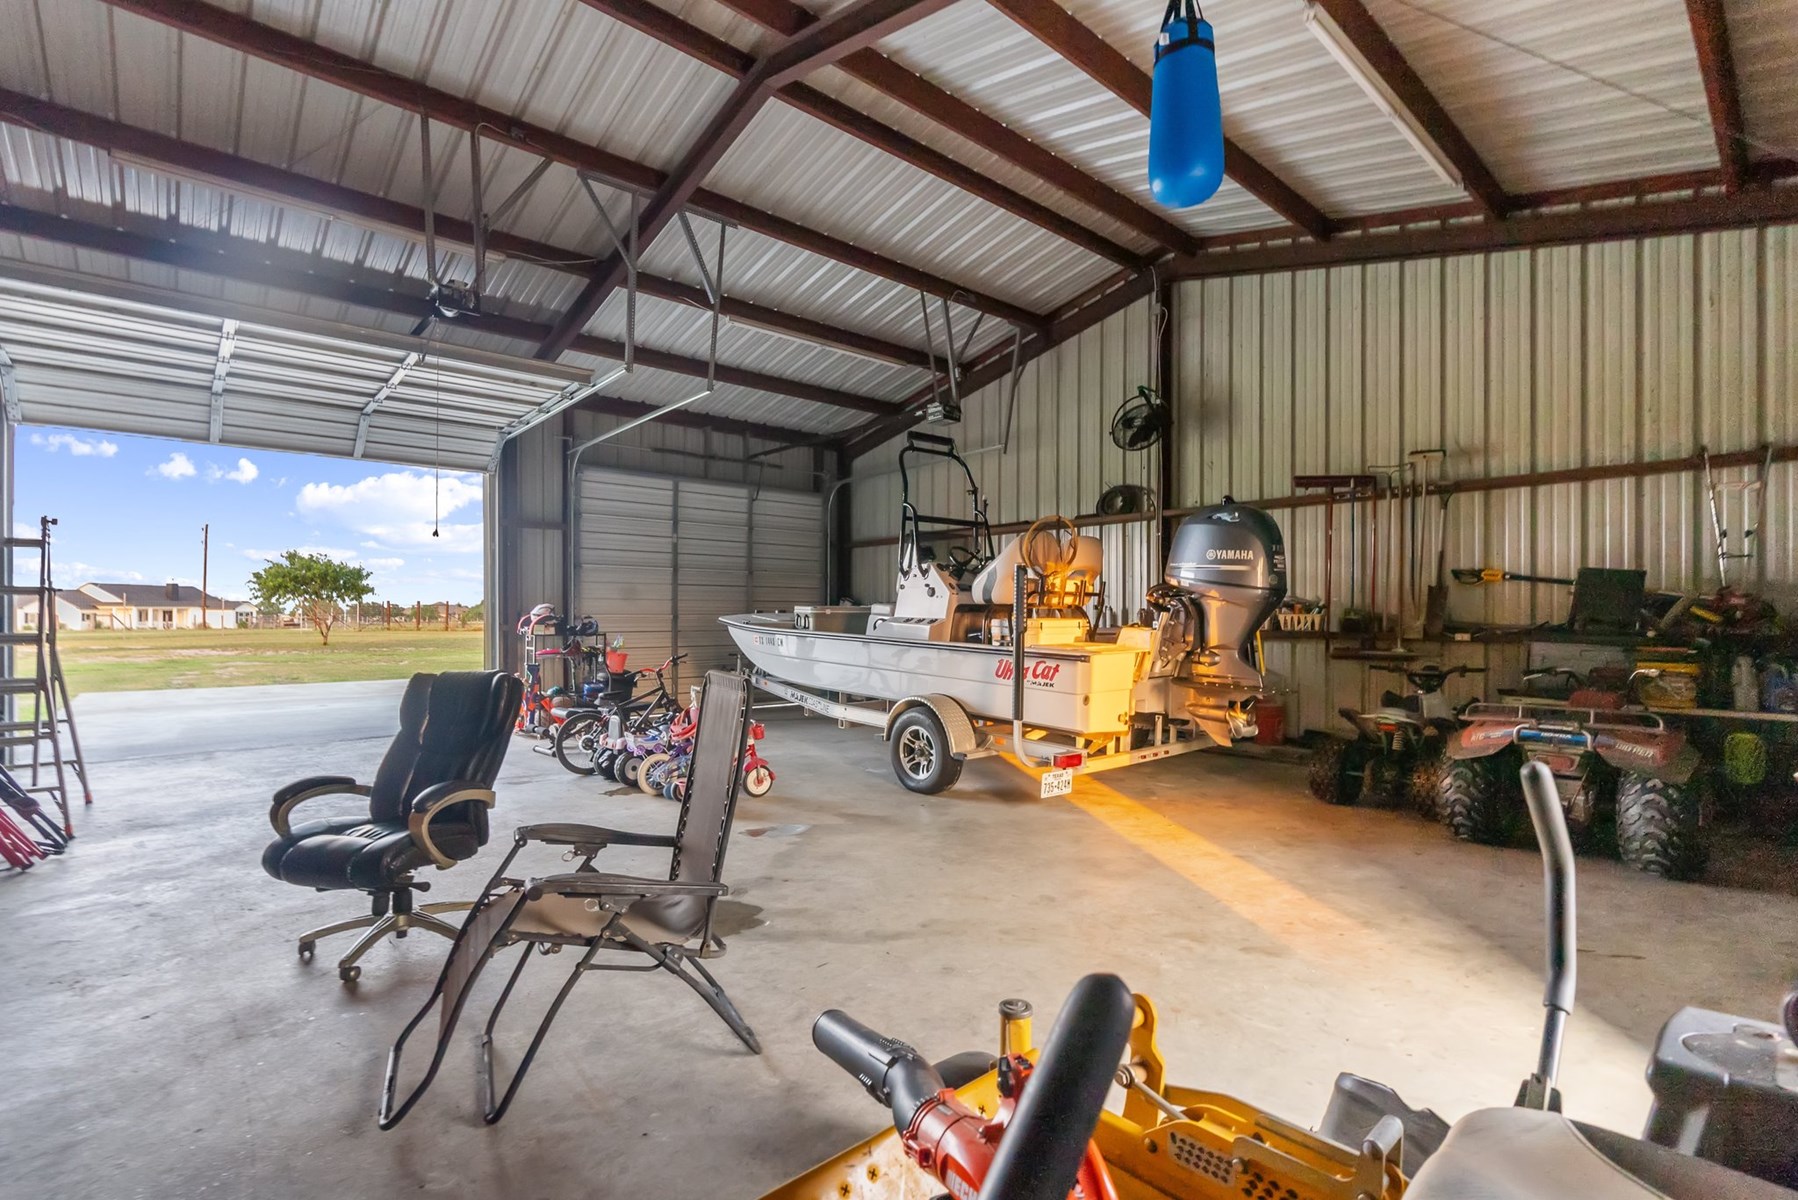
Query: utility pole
205	566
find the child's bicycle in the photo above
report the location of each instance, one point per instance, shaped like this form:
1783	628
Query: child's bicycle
665	774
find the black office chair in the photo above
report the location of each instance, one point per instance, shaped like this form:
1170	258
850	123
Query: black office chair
427	805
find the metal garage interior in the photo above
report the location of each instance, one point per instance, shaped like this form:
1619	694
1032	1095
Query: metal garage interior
681	279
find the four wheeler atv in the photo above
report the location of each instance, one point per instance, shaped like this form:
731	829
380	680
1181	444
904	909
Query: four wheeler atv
1610	765
1400	744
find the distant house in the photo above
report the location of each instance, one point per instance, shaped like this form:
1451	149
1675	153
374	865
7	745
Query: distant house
138	606
74	610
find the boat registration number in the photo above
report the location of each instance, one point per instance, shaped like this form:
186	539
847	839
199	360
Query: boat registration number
1058	783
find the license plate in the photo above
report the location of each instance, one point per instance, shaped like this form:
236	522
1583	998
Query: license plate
1058	783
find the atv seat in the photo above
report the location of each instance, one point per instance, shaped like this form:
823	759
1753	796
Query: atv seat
1394	700
1526	1154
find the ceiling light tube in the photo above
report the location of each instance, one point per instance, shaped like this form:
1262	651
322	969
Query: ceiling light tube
1344	51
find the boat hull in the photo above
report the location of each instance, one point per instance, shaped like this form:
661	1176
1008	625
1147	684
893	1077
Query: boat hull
1082	688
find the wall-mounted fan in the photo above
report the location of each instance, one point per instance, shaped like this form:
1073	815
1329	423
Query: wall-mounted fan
1140	421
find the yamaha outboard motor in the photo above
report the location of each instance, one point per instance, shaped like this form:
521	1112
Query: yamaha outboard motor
1231	560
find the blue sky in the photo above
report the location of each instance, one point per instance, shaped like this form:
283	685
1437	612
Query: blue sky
130	510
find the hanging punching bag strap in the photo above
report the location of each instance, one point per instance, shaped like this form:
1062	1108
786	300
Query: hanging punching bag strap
1186	13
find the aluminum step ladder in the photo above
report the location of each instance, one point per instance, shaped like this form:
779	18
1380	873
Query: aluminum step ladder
39	735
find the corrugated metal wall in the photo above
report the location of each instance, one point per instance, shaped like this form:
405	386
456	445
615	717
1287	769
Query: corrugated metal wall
530	554
1517	362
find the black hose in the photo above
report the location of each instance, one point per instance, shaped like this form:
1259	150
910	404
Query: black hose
891	1071
1045	1140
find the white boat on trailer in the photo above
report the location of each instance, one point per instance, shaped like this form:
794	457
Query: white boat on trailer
942	674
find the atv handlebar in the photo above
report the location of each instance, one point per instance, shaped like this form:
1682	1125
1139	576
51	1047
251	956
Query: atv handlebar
891	1071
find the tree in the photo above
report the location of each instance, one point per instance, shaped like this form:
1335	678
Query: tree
313	586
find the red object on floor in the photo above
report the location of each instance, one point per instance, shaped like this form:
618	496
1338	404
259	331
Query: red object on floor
1270	723
16	846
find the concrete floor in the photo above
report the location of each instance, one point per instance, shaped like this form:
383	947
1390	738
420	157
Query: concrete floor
162	1040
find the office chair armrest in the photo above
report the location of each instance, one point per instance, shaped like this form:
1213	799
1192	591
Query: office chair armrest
596	836
301	790
434	800
592	883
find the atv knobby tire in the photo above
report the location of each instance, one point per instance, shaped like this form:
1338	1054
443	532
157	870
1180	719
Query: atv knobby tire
1658	827
1338	771
1477	798
1423	785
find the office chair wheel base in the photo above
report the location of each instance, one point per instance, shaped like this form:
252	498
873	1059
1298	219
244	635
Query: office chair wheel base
306	949
349	974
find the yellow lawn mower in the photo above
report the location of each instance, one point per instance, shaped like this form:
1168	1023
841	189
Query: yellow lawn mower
1030	1125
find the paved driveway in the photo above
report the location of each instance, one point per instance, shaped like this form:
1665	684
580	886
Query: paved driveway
119	726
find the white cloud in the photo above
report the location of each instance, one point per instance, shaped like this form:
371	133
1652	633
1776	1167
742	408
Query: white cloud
401	510
336	552
79	447
245	472
178	466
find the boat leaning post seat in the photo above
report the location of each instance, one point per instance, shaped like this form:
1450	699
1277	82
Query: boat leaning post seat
427	806
660	923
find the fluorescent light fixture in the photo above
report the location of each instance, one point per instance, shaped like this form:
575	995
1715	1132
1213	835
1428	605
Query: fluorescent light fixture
1343	50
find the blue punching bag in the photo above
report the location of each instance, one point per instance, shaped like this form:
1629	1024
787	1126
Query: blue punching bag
1186	118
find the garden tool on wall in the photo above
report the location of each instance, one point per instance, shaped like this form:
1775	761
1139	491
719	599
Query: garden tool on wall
1433	612
1395	540
1335	488
1500	575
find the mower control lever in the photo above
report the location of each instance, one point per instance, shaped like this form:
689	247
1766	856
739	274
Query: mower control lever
1544	804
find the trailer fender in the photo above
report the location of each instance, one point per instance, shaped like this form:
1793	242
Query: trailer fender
963	741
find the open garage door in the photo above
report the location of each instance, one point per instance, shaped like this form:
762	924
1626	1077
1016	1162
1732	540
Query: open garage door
110	362
662	559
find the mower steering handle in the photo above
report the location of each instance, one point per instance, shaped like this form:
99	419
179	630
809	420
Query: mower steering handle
1046	1139
891	1071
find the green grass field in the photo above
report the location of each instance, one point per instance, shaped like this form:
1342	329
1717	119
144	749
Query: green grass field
150	659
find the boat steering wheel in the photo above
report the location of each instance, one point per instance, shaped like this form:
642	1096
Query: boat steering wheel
1048	546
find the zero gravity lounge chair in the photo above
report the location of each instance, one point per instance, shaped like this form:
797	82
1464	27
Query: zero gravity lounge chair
660	924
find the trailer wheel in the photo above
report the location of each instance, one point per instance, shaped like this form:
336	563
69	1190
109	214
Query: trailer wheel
1658	827
1477	799
919	749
